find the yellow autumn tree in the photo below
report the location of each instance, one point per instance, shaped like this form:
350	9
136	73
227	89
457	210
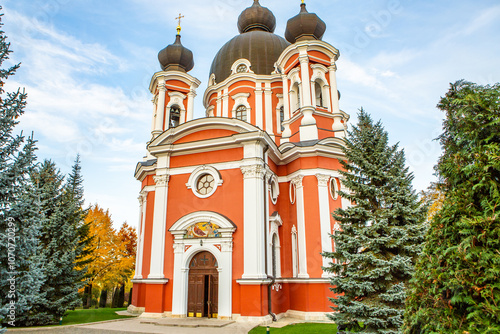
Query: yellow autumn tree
434	198
112	258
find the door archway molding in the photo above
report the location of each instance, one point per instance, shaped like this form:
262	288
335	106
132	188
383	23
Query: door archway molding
185	249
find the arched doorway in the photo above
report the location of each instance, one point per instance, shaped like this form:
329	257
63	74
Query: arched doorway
203	286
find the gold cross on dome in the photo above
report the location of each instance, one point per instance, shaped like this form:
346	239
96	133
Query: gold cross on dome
179	25
179	18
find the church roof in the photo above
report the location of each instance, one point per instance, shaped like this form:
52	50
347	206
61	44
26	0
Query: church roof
256	43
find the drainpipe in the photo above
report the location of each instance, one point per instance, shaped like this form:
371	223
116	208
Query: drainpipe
266	231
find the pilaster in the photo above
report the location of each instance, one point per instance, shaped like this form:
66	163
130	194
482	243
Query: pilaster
301	227
159	227
160	110
334	94
324	216
253	222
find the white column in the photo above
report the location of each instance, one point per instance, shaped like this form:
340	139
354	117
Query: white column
259	122
225	103
286	97
159	226
140	234
180	279
225	279
287	133
301	226
160	110
333	89
153	123
306	87
324	217
190	105
253	222
219	104
269	109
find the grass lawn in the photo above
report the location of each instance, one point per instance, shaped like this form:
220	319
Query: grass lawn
81	316
306	328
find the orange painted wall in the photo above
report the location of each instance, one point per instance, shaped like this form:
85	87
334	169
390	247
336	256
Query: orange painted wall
310	297
313	227
195	159
148	181
176	85
148	234
154	298
319	57
206	134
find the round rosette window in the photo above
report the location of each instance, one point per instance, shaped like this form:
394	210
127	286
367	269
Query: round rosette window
204	181
205	184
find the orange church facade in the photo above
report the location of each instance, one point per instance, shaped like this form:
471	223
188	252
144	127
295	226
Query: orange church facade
236	206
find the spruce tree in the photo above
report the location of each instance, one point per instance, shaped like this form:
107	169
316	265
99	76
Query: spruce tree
456	288
21	274
380	233
60	241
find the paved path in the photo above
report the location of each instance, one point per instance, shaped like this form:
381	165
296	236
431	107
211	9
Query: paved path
137	326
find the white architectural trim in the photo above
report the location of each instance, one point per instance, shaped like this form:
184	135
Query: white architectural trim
275	223
295	256
241	61
140	234
200	171
333	188
159	227
301	224
324	217
259	120
185	249
253	221
268	108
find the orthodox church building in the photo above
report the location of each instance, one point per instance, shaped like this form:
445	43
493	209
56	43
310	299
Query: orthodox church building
236	206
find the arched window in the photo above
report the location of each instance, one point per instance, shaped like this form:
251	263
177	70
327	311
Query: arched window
295	97
175	116
282	118
319	94
241	113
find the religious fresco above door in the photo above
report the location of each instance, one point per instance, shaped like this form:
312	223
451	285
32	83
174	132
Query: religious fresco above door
202	230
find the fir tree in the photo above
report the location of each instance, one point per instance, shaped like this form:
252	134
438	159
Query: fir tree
60	241
380	234
76	214
456	288
21	273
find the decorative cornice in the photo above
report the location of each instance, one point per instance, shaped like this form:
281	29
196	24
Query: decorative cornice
297	181
161	180
322	180
333	67
142	198
255	171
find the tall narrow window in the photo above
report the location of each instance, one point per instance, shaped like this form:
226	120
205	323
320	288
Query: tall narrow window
319	94
175	116
241	113
282	118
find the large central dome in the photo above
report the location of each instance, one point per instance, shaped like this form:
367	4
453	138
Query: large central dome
257	43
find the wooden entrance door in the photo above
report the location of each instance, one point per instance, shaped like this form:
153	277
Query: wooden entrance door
203	286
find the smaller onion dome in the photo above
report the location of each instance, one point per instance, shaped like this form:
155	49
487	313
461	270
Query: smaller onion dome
176	57
256	17
304	26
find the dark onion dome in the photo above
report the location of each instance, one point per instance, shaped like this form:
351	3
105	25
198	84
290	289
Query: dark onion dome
176	57
256	43
304	26
256	17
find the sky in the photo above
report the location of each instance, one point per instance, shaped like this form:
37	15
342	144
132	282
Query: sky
87	65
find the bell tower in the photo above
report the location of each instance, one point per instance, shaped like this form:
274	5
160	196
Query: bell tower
173	88
308	70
